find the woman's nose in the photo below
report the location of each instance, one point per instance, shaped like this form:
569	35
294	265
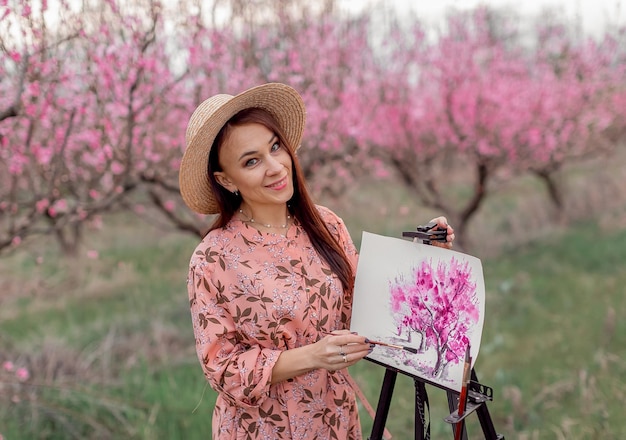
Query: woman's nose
274	165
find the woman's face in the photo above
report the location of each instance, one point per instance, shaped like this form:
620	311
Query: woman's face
254	163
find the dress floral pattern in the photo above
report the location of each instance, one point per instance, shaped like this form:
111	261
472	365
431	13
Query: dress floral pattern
253	295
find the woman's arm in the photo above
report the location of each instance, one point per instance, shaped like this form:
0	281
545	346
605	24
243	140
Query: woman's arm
239	372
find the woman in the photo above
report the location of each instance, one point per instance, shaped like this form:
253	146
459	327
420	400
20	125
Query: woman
270	285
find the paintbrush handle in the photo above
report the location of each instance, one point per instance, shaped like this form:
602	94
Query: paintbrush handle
399	347
386	344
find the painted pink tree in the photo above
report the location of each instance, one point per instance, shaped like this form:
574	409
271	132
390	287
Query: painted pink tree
441	305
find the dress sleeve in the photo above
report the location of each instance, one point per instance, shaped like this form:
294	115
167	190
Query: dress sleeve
240	372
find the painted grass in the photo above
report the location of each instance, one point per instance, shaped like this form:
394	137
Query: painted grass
110	352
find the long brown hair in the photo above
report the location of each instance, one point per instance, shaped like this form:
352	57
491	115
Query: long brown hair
301	205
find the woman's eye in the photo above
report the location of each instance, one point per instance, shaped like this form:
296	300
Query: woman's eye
251	162
276	147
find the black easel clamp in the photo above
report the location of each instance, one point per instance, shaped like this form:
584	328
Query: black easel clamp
427	234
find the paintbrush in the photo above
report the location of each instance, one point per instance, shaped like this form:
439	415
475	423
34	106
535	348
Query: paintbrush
399	347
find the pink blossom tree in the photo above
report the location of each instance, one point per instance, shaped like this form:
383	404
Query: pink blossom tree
95	97
476	103
570	113
118	85
329	60
88	119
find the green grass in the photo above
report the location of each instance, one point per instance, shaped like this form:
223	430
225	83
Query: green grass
109	345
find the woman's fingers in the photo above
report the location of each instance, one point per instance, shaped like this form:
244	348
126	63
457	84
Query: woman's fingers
343	349
442	223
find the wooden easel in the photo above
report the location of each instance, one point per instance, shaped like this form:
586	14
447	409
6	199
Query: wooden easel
478	397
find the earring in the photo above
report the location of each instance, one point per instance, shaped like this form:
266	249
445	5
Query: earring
236	193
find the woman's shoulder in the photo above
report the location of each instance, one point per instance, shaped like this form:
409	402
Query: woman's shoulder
212	244
327	214
332	220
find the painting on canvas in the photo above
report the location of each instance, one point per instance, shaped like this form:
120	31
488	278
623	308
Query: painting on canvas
425	298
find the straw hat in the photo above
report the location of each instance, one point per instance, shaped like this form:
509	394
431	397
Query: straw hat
282	101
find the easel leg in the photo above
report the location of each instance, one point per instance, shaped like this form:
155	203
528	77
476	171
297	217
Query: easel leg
384	402
422	432
484	417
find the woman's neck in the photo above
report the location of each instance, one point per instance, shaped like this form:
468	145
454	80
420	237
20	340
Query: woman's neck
271	217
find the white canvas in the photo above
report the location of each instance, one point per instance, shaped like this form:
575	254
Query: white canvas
428	299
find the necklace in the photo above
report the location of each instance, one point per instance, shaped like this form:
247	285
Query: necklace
267	225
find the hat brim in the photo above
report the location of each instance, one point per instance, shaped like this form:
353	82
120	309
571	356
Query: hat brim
281	100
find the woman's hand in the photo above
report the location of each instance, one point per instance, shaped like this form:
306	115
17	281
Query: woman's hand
335	351
341	349
442	224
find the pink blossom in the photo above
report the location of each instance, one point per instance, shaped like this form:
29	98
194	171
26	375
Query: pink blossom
16	163
117	168
22	374
8	366
16	240
34	89
93	254
43	155
169	205
41	205
60	206
96	222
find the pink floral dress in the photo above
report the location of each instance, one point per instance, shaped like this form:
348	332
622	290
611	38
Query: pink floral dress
253	295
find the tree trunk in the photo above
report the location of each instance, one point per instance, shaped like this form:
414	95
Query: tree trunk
554	189
480	192
69	238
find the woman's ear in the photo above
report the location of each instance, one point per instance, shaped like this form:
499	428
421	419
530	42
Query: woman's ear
223	180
